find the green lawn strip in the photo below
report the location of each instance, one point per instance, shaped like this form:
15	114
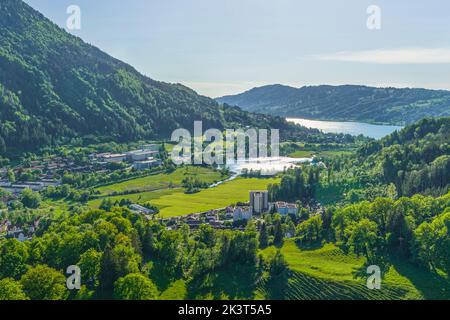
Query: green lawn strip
302	154
162	180
333	268
176	291
319	153
137	197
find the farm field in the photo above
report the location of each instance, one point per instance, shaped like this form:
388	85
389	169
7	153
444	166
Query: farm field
317	273
179	203
328	273
162	180
174	202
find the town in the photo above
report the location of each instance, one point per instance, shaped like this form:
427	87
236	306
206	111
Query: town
41	174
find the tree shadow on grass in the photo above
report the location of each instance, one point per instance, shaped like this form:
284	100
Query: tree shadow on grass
309	246
276	287
161	277
431	285
231	282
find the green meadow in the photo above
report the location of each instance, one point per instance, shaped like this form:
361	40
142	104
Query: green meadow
318	153
327	272
179	203
163	191
162	180
322	272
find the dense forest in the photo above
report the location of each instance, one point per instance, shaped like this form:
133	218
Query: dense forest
54	87
416	159
413	160
125	256
345	103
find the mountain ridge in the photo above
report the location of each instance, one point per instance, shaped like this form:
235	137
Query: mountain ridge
54	87
388	105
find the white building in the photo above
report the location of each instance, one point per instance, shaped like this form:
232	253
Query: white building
141	209
146	164
259	201
242	213
284	208
113	157
17	188
141	155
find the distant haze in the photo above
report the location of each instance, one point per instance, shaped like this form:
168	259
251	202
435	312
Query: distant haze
224	47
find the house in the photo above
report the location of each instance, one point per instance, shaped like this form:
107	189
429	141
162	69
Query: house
242	213
17	188
19	234
113	157
141	209
146	164
216	224
194	224
259	201
211	216
284	208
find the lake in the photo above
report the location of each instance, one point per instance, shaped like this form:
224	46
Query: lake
353	128
268	166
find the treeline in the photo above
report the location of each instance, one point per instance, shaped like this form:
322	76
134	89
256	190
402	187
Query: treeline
416	228
414	160
296	184
193	185
118	252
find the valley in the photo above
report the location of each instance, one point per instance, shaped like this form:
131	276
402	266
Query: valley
88	179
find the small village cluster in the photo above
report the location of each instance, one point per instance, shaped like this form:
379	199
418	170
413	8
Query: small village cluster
21	232
141	159
231	217
49	168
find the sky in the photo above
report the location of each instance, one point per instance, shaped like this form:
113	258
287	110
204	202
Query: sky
221	47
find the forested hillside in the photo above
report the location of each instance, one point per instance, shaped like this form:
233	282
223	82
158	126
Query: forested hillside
416	159
413	160
345	103
125	256
54	87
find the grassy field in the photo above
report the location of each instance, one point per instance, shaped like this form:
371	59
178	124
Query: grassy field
328	273
322	272
163	180
174	202
141	197
179	203
324	153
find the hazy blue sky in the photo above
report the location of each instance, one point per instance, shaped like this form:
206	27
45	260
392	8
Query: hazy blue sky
222	47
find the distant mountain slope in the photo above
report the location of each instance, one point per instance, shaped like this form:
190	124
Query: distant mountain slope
346	103
54	87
